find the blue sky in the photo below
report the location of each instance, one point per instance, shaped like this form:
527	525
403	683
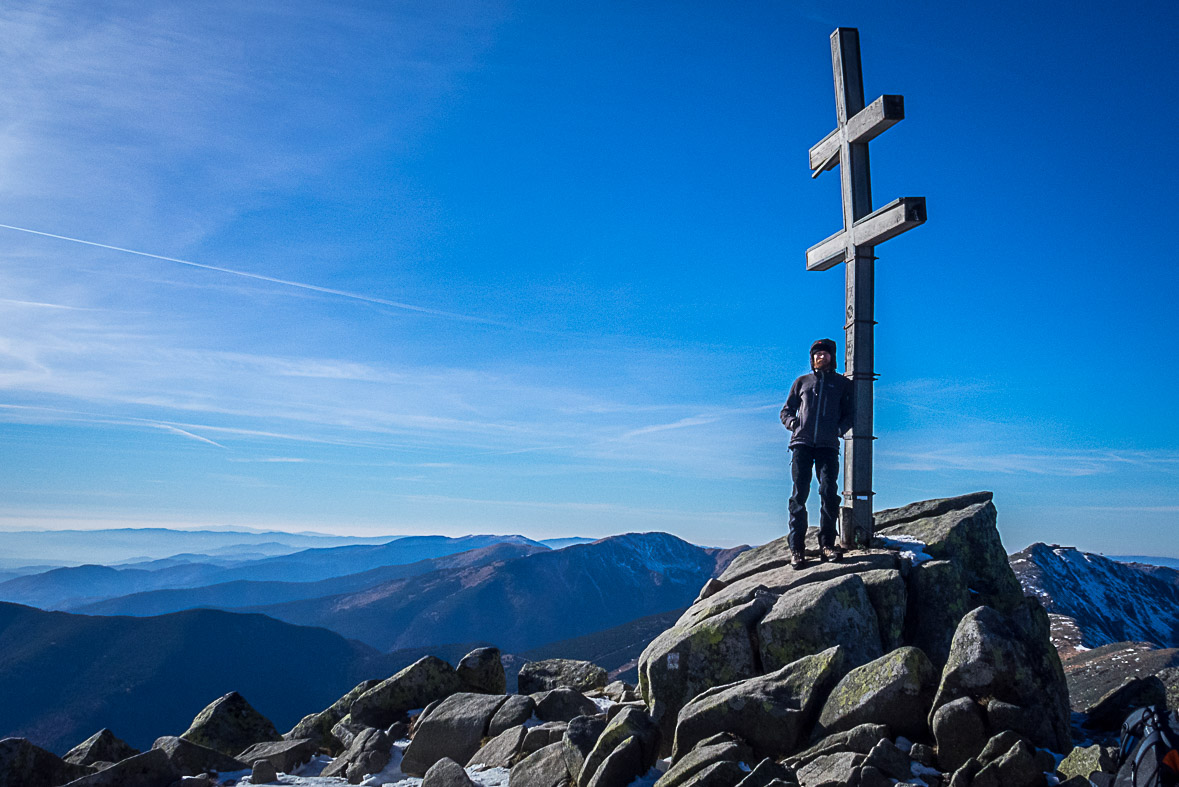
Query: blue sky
539	267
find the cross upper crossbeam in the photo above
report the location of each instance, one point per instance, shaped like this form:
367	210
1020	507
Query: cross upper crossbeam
867	124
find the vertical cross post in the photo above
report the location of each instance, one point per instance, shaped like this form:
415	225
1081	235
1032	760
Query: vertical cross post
855	245
856	186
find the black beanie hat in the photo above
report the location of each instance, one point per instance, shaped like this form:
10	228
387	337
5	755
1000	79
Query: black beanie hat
823	344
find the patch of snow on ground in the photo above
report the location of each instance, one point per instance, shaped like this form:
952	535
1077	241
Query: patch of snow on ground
390	776
492	777
297	779
391	773
909	547
314	766
604	703
648	779
919	770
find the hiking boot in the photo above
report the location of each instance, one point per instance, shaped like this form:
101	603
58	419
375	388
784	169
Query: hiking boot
797	560
831	554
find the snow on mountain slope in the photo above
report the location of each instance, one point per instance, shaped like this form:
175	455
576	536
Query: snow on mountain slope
1108	601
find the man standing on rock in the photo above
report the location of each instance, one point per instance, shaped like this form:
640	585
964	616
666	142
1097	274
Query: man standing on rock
817	412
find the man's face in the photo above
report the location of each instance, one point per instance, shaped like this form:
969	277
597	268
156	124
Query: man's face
820	359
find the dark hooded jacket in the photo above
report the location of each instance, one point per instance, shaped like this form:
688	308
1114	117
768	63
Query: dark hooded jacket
819	408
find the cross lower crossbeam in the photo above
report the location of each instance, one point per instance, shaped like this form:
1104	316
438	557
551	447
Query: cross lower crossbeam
877	227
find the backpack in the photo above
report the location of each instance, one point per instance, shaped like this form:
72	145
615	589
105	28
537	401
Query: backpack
1148	753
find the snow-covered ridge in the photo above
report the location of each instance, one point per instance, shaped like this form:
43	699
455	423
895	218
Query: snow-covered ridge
1109	601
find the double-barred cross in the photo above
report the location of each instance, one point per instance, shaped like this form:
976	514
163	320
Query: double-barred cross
863	229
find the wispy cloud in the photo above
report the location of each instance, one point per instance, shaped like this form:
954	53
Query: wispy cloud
188	434
38	305
1055	461
268	279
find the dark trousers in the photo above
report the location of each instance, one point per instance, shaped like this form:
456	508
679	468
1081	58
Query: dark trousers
826	464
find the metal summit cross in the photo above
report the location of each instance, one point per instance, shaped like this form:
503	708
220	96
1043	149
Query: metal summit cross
863	229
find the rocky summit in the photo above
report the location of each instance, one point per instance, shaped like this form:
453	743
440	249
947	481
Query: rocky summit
916	661
928	633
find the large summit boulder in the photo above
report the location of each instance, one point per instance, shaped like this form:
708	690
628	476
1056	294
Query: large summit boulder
895	689
962	530
1007	664
933	562
772	713
821	615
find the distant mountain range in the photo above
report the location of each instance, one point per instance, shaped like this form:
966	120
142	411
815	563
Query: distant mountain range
79	586
107	547
64	676
524	602
249	593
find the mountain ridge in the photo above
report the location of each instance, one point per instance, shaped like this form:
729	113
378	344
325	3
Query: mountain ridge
240	594
524	602
1106	600
74	586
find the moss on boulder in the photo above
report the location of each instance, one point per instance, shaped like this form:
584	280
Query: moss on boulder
890	598
1010	658
1085	761
229	725
685	660
812	618
773	713
426	680
896	689
937	601
965	535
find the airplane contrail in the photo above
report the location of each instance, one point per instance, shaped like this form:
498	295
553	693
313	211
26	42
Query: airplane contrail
285	282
